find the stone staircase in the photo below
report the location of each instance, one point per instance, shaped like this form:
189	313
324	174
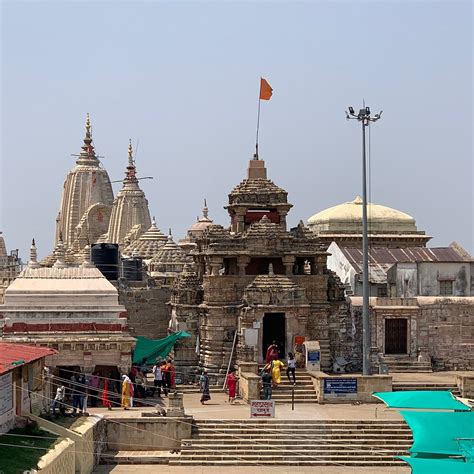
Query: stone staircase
295	443
404	363
404	386
304	389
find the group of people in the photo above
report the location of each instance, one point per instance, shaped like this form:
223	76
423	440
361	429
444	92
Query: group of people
113	389
271	373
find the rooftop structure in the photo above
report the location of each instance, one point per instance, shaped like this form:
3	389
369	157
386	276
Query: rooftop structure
387	227
147	245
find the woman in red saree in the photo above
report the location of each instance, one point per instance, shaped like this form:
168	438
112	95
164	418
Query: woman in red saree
231	382
272	353
105	395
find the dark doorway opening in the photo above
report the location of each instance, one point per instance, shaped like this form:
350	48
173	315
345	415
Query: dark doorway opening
274	330
396	332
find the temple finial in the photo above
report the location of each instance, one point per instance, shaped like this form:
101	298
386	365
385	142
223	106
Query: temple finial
205	210
33	263
153	222
130	153
88	125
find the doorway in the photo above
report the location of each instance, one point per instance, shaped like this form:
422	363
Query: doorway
396	332
274	330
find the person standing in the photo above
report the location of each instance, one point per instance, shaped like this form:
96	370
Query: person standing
166	377
94	383
105	395
172	376
272	352
205	388
231	383
127	392
291	367
76	394
157	379
267	384
59	401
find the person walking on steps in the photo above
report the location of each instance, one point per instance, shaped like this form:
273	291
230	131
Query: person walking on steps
272	352
291	367
205	388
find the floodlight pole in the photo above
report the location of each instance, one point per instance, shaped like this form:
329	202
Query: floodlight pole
364	117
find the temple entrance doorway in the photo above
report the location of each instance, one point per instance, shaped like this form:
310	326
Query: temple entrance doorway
396	334
274	330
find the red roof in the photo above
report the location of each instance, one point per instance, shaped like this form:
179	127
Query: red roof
14	355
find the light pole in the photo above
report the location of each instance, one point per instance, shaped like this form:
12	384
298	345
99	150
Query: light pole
364	118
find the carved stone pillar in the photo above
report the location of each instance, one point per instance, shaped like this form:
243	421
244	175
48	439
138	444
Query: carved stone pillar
288	263
242	262
216	264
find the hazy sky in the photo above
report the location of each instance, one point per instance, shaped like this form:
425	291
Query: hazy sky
182	78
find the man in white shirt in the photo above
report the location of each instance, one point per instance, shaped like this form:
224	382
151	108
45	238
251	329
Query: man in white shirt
158	379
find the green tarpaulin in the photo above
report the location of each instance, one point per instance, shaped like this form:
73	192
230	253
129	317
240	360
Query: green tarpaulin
151	349
436	432
438	466
423	399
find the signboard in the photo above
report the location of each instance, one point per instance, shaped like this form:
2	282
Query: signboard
6	393
251	337
343	387
7	414
314	356
262	409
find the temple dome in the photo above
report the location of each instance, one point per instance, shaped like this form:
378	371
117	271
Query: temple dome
347	217
148	245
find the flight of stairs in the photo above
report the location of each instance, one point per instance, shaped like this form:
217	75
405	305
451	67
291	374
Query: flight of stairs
304	389
405	364
295	443
404	386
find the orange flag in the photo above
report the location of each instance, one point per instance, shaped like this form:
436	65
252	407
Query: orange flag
266	90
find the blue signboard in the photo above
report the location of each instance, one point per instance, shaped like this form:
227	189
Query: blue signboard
340	386
313	356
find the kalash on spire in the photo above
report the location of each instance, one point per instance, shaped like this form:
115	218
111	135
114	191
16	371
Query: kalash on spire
86	201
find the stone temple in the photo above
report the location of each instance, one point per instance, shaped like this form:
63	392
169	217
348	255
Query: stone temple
256	280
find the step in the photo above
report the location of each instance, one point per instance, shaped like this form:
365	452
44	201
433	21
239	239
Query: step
271	457
357	463
301	448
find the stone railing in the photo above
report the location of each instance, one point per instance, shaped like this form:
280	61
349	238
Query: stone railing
465	384
249	386
88	440
147	433
58	460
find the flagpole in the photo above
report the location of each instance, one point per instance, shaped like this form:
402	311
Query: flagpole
258	126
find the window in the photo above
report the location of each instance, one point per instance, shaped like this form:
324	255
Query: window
446	287
382	291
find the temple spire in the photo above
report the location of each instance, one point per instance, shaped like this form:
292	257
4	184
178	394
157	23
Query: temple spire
88	151
131	173
205	210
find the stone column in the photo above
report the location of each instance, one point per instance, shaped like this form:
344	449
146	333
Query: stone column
288	263
216	265
175	405
242	262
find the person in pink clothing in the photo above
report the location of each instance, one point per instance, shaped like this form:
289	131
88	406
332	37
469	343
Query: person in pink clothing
231	383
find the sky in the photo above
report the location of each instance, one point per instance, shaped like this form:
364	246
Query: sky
181	80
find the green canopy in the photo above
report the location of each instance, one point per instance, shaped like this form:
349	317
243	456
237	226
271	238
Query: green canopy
152	349
421	399
438	466
436	433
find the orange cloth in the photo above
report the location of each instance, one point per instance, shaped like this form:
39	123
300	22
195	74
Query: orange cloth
266	90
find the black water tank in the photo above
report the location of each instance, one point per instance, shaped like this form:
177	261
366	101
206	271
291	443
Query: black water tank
106	259
132	269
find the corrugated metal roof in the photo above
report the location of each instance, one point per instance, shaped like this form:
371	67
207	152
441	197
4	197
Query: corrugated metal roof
379	255
14	355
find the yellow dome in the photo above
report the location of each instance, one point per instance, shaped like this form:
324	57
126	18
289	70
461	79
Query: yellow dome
347	217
